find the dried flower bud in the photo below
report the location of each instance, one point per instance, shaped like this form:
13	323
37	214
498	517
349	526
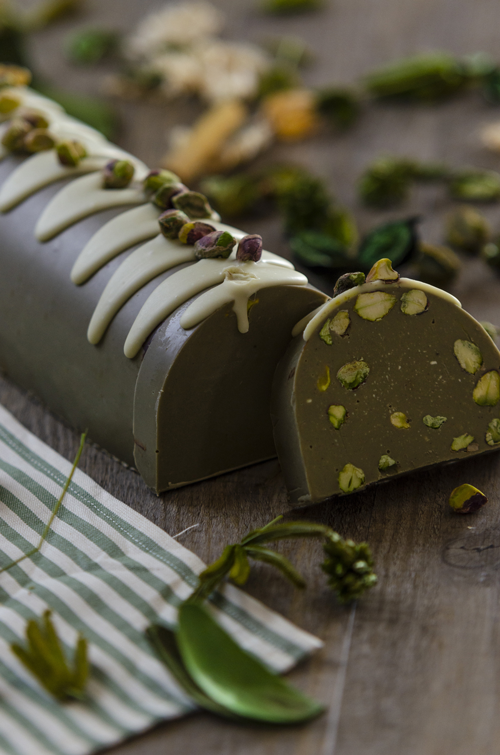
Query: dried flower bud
466	499
165	194
171	222
118	174
216	244
8	102
39	140
14	76
13	138
193	203
250	248
70	153
156	178
34	119
194	230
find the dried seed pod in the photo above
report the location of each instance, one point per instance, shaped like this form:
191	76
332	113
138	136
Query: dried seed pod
250	248
163	197
171	222
39	140
193	203
216	244
192	231
466	499
70	152
157	178
118	174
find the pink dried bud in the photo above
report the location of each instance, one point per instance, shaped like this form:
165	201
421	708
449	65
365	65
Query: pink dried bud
250	248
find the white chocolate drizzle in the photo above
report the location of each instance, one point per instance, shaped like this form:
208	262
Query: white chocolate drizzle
115	236
237	282
82	197
312	321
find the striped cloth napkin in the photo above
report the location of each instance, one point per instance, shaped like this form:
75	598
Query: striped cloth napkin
107	572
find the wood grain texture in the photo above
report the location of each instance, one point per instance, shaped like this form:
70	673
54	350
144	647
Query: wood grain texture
413	669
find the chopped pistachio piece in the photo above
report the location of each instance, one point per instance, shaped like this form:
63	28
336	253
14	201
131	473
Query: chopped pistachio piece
347	281
490	329
340	322
325	334
351	478
8	102
337	415
399	420
375	306
487	390
466	499
469	357
385	462
493	434
382	271
324	380
434	422
353	374
413	302
461	442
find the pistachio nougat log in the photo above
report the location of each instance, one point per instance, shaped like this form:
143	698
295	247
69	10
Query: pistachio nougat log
387	378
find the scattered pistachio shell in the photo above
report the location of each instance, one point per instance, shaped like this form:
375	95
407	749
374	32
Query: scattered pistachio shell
469	357
490	329
171	222
487	390
193	203
375	306
385	462
324	380
493	434
466	499
461	442
353	374
337	415
117	174
192	231
8	102
70	152
215	244
347	281
434	422
399	420
382	271
351	478
413	302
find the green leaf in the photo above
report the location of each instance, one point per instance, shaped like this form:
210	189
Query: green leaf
258	553
286	530
316	249
232	677
430	76
397	241
213	574
240	570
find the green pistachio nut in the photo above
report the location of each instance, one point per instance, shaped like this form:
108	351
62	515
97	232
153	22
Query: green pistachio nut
216	244
466	499
385	462
490	329
194	204
157	178
461	442
325	334
324	380
249	248
347	281
399	420
493	435
437	264
39	140
118	174
414	302
13	138
351	478
467	229
382	271
337	415
34	119
171	222
163	198
434	422
193	230
70	153
9	102
468	355
375	306
352	374
487	390
338	325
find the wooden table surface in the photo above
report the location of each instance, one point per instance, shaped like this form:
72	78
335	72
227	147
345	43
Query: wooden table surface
414	668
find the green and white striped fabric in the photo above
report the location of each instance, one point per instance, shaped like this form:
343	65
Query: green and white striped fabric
107	572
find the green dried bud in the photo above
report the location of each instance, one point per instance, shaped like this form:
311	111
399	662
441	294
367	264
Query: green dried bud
8	102
249	248
461	442
490	253
39	140
34	119
163	198
347	281
493	434
337	415
324	380
382	271
487	390
475	185
194	204
375	306
469	357
352	374
117	174
13	138
414	302
490	329
14	76
466	499
171	222
351	478
192	231
467	229
157	178
399	420
216	244
349	567
385	462
434	422
70	153
437	264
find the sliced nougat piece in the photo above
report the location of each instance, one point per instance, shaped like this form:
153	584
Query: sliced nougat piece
388	377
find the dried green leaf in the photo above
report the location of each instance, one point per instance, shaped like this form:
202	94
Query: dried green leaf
397	241
475	185
316	249
240	570
430	76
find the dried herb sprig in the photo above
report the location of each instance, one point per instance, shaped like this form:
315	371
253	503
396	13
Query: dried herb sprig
44	657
